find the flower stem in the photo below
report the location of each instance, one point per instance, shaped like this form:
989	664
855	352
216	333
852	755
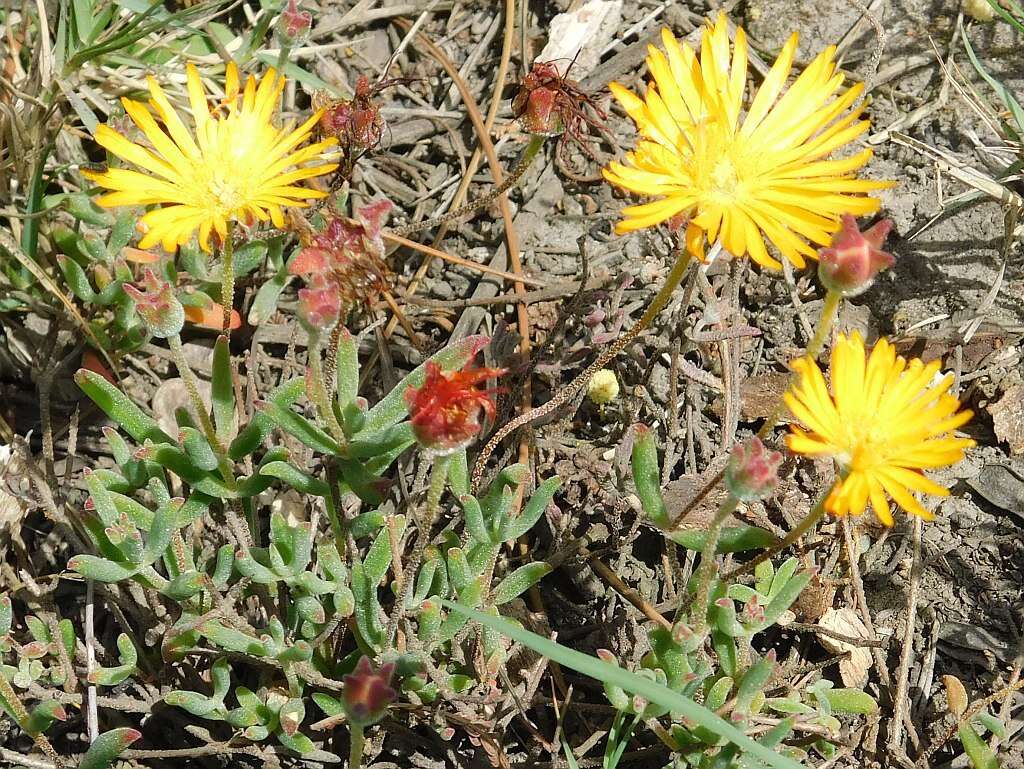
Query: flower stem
706	570
192	387
536	142
812	517
661	299
357	744
227	279
319	391
438	480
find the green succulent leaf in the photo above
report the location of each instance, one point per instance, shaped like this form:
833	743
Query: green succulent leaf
519	581
107	747
119	407
631	682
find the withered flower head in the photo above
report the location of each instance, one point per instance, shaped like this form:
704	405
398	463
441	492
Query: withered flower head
445	411
347	254
551	104
355	123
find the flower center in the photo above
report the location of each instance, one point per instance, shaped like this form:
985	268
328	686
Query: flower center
225	195
724	178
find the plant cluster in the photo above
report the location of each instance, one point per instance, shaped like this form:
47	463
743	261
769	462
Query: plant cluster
261	624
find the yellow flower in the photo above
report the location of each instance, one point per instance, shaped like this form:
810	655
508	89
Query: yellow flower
234	166
884	422
742	177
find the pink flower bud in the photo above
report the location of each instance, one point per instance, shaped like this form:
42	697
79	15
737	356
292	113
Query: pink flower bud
293	25
368	692
157	305
319	308
752	471
853	260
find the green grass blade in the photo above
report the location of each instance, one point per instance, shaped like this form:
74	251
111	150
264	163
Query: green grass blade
1004	95
998	8
612	674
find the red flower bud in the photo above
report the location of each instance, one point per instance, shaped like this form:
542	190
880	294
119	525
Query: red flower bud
445	411
293	25
853	260
752	471
157	305
368	692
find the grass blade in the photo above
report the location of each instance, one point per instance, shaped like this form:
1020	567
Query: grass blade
604	671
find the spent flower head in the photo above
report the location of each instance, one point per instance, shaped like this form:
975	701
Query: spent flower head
160	310
319	308
368	692
884	422
753	470
741	171
851	263
232	165
445	411
356	123
347	254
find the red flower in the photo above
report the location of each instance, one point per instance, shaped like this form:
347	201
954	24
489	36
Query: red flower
850	264
368	692
446	410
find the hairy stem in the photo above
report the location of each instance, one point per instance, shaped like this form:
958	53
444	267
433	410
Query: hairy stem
192	387
536	142
706	570
438	480
357	744
566	393
227	279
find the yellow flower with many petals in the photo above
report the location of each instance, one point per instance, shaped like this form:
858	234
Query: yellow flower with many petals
743	175
234	166
884	422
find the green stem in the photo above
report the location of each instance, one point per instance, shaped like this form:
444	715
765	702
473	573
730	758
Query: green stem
706	570
282	59
227	279
357	744
829	311
319	392
801	528
192	387
438	480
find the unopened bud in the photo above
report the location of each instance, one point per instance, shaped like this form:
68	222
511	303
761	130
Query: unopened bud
752	472
293	25
853	260
368	693
157	305
319	308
